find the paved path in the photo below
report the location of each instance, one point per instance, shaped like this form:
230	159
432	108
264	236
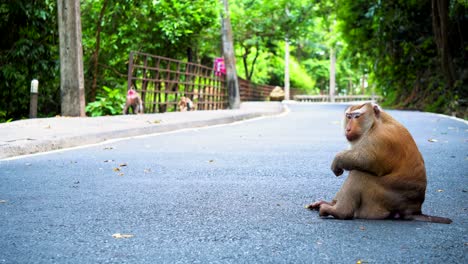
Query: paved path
226	194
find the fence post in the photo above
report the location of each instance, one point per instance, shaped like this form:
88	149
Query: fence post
33	99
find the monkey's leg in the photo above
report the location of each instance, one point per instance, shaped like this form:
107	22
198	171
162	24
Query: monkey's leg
347	200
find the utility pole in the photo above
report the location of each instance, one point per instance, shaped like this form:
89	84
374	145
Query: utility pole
286	70
229	59
71	58
332	74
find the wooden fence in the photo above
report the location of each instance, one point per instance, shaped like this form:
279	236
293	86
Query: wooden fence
163	81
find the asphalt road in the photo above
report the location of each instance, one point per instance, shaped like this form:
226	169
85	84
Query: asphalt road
226	194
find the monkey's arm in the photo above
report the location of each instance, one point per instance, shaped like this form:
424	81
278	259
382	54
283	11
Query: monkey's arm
357	160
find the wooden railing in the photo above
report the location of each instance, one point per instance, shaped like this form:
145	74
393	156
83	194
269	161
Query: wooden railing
163	81
338	98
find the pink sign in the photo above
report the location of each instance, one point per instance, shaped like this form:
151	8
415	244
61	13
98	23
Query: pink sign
219	66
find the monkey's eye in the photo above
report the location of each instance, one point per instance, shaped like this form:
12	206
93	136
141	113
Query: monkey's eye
349	116
356	116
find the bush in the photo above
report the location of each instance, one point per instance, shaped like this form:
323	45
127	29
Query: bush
110	103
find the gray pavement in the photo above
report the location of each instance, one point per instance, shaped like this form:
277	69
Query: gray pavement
226	194
45	134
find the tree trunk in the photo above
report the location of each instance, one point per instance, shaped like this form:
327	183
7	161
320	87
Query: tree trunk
71	58
96	52
229	60
440	22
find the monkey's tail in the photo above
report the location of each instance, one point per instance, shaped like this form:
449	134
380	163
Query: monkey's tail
430	218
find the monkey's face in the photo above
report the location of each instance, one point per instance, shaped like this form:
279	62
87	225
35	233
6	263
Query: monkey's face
358	120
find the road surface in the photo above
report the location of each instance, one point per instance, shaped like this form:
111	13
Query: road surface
226	194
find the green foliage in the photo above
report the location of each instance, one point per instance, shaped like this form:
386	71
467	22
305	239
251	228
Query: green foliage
395	42
179	29
28	50
109	102
391	44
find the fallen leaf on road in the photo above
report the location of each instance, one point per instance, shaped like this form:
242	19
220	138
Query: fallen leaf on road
440	190
432	140
116	169
123	165
107	148
362	228
147	170
108	160
210	161
118	235
121	174
361	261
3	201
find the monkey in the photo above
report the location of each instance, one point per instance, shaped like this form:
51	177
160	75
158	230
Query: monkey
185	104
387	174
134	101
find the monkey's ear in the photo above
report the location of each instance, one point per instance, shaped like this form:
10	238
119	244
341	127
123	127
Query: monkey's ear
377	109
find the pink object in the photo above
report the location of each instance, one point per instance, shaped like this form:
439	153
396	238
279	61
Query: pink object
219	67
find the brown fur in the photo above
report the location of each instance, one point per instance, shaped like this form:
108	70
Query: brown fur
185	104
387	176
134	101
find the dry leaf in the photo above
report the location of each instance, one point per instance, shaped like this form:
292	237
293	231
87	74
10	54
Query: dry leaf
362	228
3	201
210	161
361	261
432	140
440	190
108	160
147	170
116	169
121	174
123	165
118	235
107	148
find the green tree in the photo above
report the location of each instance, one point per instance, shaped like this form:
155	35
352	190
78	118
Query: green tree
410	62
170	28
28	50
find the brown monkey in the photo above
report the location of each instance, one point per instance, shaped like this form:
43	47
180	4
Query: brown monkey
185	104
134	101
387	177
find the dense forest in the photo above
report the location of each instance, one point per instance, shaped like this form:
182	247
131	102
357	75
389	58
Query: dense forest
412	52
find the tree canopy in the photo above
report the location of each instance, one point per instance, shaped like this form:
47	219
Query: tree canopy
413	52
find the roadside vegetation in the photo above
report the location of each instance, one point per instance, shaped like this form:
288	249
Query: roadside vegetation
413	53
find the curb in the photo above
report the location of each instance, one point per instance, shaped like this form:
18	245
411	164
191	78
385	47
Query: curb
45	145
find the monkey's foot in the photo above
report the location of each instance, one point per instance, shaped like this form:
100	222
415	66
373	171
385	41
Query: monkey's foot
316	205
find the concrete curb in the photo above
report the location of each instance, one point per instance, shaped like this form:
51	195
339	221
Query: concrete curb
29	145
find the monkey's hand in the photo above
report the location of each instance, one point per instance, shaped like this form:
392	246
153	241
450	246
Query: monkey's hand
335	167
